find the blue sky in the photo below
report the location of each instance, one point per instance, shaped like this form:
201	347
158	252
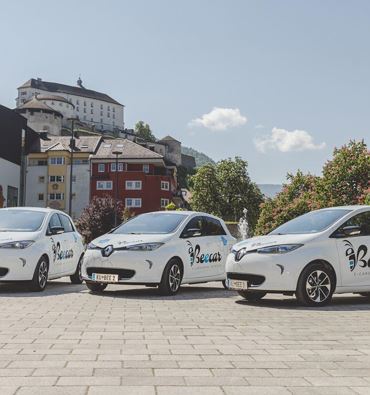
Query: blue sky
279	83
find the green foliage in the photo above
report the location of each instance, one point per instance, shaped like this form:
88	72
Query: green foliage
201	159
345	180
171	207
143	131
98	218
183	176
225	189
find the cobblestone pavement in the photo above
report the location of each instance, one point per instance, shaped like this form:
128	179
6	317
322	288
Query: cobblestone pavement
204	341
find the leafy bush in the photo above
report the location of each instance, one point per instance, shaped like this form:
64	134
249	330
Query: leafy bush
98	218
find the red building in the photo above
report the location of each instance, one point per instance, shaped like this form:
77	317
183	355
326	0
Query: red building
146	181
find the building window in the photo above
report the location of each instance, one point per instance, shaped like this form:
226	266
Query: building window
113	167
92	111
56	196
56	178
41	179
114	116
24	93
114	109
146	168
101	167
41	196
84	117
101	113
84	103
101	121
91	119
133	202
134	185
92	104
108	108
77	102
77	109
164	202
101	106
108	115
104	185
57	161
74	178
165	185
85	110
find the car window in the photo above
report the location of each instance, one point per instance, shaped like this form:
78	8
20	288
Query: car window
20	220
66	223
362	221
213	227
194	223
54	221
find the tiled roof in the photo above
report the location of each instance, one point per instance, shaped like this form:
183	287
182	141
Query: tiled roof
129	149
35	104
72	90
61	143
169	138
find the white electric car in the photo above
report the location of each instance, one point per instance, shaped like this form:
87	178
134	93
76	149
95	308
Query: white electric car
164	249
313	256
38	244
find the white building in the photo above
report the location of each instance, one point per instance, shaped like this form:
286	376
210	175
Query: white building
93	108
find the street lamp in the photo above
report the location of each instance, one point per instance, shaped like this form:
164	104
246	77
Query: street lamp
72	145
116	188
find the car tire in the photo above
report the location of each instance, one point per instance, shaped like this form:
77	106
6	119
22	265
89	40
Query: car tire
96	287
252	296
316	285
40	276
76	278
224	284
171	278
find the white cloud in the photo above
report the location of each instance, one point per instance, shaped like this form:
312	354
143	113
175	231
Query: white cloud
285	141
220	119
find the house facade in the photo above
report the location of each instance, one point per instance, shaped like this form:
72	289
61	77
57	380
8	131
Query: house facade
145	181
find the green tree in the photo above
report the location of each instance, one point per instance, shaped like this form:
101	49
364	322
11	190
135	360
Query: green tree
347	176
345	180
143	131
297	197
225	189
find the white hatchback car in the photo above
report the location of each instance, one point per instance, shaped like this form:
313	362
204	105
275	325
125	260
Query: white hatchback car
38	244
313	256
164	249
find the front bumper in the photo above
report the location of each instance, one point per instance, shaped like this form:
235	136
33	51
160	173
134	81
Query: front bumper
265	272
17	264
131	267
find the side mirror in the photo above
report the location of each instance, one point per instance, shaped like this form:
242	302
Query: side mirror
347	231
193	232
56	230
352	230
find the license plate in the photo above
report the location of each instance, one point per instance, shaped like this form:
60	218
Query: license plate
105	278
238	284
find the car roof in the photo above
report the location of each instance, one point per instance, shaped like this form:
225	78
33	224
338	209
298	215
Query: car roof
183	212
36	209
352	208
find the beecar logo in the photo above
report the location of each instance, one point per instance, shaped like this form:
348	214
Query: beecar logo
356	258
197	257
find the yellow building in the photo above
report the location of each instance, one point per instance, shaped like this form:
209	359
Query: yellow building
48	173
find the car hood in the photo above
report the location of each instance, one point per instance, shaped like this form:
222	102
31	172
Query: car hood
8	237
120	240
270	240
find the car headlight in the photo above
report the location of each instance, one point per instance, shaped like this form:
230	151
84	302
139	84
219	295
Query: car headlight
278	249
92	246
144	247
17	244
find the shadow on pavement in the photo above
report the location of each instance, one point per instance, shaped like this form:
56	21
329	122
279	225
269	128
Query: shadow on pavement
351	302
187	292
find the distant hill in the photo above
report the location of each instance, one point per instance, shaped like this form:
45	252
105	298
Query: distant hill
200	158
270	190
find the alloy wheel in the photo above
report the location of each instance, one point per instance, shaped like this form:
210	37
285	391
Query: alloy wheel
174	278
43	274
318	286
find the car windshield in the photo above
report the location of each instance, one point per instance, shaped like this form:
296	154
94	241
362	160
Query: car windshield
151	223
313	222
20	220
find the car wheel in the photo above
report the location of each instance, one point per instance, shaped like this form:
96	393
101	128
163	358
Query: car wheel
224	284
76	278
96	287
171	278
315	285
40	277
252	296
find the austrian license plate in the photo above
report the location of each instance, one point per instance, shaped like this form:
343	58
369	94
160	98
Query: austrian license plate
105	278
238	284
